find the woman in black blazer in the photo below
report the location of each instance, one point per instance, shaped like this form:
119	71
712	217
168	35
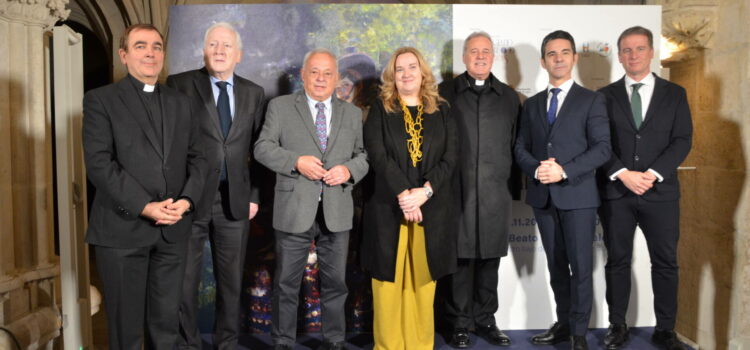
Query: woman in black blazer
409	221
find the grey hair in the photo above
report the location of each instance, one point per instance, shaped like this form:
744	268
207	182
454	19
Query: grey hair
226	25
478	34
320	51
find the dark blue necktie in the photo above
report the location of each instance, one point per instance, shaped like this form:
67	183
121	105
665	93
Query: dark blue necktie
225	113
552	111
225	119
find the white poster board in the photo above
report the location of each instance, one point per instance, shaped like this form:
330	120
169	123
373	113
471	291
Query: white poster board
526	300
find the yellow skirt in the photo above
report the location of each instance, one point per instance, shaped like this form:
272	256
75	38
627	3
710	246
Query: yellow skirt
403	309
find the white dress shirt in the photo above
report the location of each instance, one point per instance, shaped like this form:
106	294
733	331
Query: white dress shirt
564	90
311	102
646	91
230	92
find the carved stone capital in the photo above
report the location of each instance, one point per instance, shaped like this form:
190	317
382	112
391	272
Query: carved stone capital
690	23
43	13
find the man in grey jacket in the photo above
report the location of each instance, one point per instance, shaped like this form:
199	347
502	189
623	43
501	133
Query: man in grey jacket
313	141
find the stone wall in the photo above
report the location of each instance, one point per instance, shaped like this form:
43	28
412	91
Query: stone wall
713	250
28	265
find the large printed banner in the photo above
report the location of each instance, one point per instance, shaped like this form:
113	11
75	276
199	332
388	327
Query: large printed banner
526	301
275	39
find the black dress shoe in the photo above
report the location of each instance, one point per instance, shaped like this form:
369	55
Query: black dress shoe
557	333
667	340
616	336
493	335
332	346
282	347
578	342
460	338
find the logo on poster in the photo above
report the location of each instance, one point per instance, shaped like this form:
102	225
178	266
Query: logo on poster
504	46
601	48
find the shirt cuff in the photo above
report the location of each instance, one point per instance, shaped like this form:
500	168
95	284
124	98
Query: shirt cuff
658	176
189	200
535	173
613	177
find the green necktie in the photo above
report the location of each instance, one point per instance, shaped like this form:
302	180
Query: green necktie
636	106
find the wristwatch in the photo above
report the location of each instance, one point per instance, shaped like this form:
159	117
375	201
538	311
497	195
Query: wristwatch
428	192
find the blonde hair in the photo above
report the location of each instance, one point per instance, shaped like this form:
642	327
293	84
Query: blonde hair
428	90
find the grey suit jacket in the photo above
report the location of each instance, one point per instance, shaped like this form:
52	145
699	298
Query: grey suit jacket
287	134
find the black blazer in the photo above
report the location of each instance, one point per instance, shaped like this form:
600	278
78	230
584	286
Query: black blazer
131	166
578	140
389	157
237	148
662	142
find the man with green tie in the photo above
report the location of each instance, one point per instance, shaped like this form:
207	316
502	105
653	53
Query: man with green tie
651	133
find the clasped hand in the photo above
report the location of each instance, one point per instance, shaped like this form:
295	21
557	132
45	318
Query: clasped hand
166	212
549	171
312	168
410	201
636	181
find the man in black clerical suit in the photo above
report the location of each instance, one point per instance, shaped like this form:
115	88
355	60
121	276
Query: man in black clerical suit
230	111
652	131
142	153
485	111
563	137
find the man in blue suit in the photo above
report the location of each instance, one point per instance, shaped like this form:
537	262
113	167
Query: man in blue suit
563	138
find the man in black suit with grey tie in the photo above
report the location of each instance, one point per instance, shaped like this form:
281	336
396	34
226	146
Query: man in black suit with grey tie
651	131
229	109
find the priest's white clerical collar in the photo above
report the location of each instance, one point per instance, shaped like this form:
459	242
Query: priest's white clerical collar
479	82
148	88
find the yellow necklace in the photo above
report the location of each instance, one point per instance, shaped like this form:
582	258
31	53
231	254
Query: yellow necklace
414	129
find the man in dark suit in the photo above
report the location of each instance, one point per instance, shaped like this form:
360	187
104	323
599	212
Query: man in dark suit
142	153
313	141
652	131
563	137
486	112
230	111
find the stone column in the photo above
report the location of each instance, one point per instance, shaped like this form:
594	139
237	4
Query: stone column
26	176
730	61
28	266
714	68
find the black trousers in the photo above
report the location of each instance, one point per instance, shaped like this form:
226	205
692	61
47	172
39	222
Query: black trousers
567	237
228	239
141	293
660	223
291	257
472	298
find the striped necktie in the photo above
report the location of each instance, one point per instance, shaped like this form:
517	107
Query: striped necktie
320	125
